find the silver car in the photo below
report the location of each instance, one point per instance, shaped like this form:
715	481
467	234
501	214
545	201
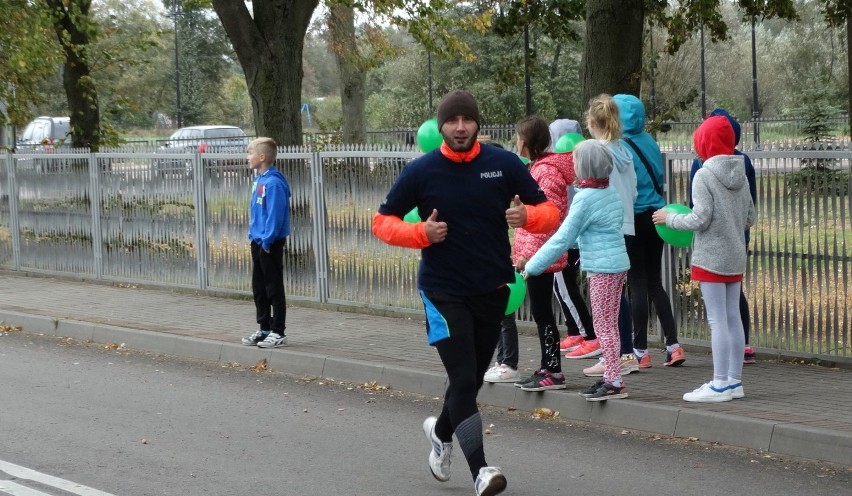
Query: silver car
203	139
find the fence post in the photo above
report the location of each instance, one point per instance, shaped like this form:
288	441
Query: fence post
320	237
201	252
668	264
95	198
14	221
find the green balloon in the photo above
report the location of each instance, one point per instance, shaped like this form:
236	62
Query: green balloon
413	216
517	293
567	142
675	237
429	136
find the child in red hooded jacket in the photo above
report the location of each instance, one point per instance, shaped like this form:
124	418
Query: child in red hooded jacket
723	210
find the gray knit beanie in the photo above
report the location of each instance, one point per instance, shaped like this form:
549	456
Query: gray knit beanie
457	102
592	160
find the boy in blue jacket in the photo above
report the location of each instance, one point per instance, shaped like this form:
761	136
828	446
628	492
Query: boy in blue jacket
269	225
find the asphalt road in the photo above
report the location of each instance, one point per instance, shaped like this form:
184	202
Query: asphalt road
128	423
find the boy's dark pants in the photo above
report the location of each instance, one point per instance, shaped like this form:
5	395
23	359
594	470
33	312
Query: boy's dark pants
267	286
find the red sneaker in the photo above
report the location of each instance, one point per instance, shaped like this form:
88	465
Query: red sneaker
645	361
675	358
587	349
748	356
570	343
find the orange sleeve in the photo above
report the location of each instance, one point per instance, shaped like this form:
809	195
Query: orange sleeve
542	218
395	231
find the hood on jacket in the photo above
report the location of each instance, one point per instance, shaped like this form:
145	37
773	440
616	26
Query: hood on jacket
734	123
560	163
631	112
560	127
622	158
728	170
592	160
714	136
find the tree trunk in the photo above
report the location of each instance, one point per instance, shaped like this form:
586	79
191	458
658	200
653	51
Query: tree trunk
353	74
69	19
849	68
612	56
269	48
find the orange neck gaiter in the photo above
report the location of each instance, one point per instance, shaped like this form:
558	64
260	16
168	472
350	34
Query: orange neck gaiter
460	156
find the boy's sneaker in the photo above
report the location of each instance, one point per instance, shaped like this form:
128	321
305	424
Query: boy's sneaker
529	380
273	340
489	482
608	391
587	349
440	453
675	357
593	388
547	381
570	343
502	373
645	361
748	355
255	338
736	390
709	394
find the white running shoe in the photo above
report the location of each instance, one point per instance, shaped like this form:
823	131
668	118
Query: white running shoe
489	482
709	394
736	390
439	453
502	373
273	340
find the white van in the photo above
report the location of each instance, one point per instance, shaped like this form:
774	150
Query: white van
46	131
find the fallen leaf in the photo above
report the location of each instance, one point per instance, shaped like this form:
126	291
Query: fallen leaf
260	366
542	412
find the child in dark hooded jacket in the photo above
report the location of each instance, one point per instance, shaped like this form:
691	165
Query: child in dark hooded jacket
722	211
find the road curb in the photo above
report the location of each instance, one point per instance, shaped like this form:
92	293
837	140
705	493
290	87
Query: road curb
773	437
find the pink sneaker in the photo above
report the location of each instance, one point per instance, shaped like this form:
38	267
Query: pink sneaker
570	343
645	361
748	355
588	349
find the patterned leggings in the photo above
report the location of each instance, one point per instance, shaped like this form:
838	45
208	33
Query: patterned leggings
605	296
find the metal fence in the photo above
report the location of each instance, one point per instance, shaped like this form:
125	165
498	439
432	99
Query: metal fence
142	216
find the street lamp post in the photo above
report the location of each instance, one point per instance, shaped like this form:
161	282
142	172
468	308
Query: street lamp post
527	83
755	108
175	12
429	59
703	79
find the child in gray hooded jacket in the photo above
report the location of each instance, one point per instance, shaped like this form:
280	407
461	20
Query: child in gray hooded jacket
722	211
594	222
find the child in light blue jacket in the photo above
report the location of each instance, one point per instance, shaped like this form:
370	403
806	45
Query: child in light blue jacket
594	223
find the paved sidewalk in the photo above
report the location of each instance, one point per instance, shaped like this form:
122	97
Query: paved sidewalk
792	409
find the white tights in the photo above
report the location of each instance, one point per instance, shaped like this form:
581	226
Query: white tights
722	300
